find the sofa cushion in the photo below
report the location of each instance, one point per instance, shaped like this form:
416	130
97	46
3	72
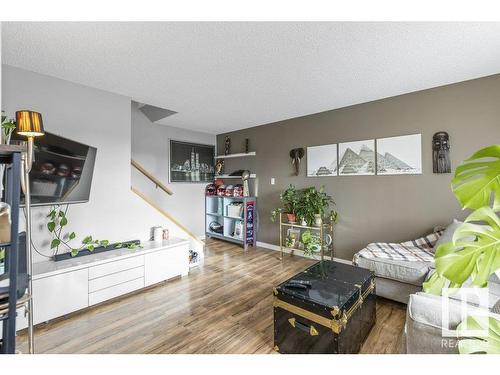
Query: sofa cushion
395	251
408	272
427	309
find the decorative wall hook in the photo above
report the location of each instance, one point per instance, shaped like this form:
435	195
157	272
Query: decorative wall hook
296	154
441	162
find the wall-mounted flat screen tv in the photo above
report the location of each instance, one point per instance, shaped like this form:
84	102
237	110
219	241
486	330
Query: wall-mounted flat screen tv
62	171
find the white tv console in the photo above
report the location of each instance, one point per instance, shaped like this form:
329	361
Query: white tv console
63	287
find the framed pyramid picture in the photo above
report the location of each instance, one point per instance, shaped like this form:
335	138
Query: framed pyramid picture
357	158
322	161
399	155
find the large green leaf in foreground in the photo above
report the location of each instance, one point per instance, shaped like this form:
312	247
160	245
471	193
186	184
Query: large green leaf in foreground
474	253
489	344
477	180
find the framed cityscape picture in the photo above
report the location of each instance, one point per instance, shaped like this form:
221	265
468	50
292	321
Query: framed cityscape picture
191	162
322	161
357	158
399	155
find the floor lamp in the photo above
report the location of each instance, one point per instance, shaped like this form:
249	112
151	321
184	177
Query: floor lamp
30	125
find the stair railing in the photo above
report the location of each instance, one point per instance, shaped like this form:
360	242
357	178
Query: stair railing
152	178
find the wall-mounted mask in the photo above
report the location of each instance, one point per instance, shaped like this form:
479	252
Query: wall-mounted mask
296	154
219	167
441	153
227	145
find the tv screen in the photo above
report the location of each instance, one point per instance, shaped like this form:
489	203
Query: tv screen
62	171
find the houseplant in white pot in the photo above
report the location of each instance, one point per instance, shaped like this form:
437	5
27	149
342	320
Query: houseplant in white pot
314	204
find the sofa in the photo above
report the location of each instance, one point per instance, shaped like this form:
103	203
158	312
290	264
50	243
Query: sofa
400	270
423	331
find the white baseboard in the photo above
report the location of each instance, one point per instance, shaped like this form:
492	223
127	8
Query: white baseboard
266	245
269	246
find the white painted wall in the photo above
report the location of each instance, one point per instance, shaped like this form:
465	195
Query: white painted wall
103	120
151	148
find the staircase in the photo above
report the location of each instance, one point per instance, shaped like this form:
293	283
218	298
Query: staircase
195	243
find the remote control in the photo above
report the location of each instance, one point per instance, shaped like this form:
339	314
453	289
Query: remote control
295	286
301	282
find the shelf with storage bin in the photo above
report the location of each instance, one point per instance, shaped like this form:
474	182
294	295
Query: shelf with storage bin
233	217
214	205
236	215
238	155
234	198
325	230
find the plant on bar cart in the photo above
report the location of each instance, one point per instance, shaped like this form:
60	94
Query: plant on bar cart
312	242
314	204
290	200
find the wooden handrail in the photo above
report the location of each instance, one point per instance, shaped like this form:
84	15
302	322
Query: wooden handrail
157	182
166	214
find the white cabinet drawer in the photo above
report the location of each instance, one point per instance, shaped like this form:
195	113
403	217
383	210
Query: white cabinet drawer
115	266
165	264
59	295
115	279
115	291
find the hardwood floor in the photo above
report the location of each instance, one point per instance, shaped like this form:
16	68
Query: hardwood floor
224	306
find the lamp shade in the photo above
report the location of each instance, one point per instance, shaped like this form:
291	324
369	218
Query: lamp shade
29	123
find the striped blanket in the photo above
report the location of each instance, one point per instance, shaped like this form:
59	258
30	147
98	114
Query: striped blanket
419	250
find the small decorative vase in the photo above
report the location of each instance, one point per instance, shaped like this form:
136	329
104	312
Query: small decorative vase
157	234
303	222
291	218
317	220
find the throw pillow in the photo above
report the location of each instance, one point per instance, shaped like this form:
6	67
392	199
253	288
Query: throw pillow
496	308
447	235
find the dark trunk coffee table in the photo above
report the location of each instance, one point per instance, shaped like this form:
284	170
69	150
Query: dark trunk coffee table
334	314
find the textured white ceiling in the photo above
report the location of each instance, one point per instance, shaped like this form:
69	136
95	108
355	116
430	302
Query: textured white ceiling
226	76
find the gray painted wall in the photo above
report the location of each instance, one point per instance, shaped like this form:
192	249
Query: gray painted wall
376	208
151	148
97	118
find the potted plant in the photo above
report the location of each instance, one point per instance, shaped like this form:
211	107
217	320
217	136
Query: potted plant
7	128
474	252
312	242
290	199
57	221
314	204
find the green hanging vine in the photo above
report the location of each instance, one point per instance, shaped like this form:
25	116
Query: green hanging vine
58	220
